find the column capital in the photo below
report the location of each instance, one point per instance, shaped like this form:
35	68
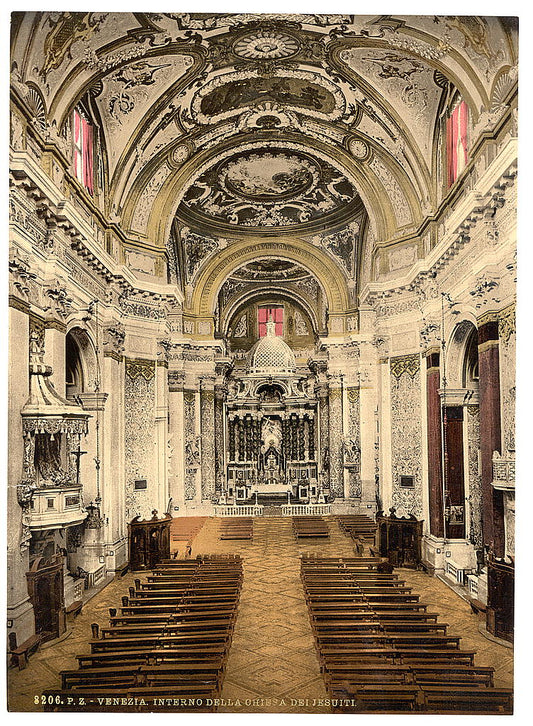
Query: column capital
430	335
485	293
113	342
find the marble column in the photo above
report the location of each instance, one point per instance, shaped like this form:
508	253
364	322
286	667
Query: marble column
161	436
323	433
20	618
365	411
177	439
192	451
490	440
434	443
385	439
220	394
113	474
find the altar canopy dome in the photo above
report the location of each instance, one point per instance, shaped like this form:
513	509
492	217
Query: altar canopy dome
271	354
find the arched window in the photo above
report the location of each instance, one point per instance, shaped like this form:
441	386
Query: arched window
73	367
471	365
83	151
264	313
456	140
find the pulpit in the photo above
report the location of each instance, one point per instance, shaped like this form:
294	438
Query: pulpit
149	541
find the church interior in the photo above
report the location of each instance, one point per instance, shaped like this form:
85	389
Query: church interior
262	295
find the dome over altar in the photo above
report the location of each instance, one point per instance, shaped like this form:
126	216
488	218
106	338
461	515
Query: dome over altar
271	354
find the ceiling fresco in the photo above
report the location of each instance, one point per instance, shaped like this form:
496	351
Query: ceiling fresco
270	270
234	124
269	187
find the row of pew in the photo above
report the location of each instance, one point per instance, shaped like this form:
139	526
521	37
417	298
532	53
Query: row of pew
237	528
165	648
381	651
184	529
358	527
310	526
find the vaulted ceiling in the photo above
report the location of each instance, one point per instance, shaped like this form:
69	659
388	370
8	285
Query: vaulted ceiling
257	125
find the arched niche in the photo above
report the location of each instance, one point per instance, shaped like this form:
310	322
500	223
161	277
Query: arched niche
81	368
461	356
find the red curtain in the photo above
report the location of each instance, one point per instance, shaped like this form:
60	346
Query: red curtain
456	142
264	314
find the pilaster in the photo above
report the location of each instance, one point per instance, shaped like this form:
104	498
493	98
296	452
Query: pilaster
207	422
19	608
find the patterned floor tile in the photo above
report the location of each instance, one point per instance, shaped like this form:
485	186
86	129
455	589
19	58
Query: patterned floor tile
272	665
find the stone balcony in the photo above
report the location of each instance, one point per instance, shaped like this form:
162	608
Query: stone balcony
56	507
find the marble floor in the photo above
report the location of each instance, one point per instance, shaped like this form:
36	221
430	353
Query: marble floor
272	665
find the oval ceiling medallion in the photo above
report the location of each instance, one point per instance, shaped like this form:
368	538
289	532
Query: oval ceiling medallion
267	177
358	149
266	45
268	186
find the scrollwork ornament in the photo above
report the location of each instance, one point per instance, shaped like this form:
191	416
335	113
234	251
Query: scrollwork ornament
507	324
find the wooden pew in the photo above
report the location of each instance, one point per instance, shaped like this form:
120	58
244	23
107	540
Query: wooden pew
430	699
153	655
20	654
441	674
236	528
205	637
310	526
379	648
171	640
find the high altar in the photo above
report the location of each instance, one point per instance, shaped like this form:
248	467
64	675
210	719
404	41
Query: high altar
271	428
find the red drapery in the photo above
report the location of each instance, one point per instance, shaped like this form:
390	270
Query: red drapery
456	142
264	314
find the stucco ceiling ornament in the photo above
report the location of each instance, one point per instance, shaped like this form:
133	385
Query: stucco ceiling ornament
358	149
181	153
268	115
266	43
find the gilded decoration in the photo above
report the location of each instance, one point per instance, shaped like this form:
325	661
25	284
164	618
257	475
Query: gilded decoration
409	364
352	394
140	369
